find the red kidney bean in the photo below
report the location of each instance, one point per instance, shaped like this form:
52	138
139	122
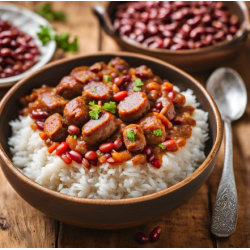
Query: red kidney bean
28	56
106	147
234	20
152	29
196	32
156	44
19	50
171	27
150	157
167	33
122	79
210	30
85	163
232	30
171	95
171	145
62	148
6	33
75	156
206	19
108	155
141	237
73	130
194	21
158	105
177	16
176	47
156	163
5	41
166	43
217	24
147	150
154	235
39	114
91	155
111	161
120	95
5	52
39	125
66	158
163	13
219	35
125	29
118	144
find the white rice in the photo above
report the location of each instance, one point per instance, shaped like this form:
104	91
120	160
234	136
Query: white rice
106	181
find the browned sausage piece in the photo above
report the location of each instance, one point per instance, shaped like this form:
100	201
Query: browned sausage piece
139	142
49	102
97	91
76	112
133	106
130	86
96	131
153	129
78	145
83	75
54	128
118	64
69	87
118	133
168	109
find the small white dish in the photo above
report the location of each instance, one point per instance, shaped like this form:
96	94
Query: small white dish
28	22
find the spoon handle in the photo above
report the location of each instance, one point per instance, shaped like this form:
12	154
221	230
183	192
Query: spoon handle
225	211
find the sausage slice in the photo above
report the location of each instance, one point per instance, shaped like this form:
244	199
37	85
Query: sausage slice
97	91
76	112
54	127
69	87
139	142
153	129
49	102
133	106
96	131
83	74
168	109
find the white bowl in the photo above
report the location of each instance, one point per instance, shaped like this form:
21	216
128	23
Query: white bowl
28	22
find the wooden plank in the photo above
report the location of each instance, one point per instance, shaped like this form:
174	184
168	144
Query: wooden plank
20	224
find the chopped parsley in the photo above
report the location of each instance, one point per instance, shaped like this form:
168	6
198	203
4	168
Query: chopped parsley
46	11
138	84
107	79
47	34
157	132
74	137
161	146
131	135
94	88
95	110
110	106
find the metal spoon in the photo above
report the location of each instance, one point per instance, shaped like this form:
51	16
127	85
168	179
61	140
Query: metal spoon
229	92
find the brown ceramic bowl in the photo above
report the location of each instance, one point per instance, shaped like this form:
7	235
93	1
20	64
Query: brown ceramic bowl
106	213
190	60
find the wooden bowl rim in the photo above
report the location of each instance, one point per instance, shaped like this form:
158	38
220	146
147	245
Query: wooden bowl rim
217	46
212	154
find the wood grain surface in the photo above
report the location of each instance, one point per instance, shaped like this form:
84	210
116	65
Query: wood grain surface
188	226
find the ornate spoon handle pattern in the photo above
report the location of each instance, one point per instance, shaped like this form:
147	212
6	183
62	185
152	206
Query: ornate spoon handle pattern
225	211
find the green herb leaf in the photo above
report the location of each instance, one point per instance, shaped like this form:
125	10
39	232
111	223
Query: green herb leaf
161	146
74	137
138	83
157	132
131	135
94	88
107	79
62	41
46	12
47	34
111	107
95	110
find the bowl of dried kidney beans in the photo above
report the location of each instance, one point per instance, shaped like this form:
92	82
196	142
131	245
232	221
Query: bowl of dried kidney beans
21	52
188	34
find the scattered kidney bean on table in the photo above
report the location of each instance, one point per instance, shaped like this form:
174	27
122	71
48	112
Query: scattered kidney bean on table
18	51
176	25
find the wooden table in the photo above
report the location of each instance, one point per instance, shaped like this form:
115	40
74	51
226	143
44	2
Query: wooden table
188	226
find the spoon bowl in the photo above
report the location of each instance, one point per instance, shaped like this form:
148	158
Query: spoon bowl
229	92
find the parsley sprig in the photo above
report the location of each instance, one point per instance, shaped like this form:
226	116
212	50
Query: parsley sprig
157	132
138	84
107	79
95	110
131	135
161	146
74	137
47	34
110	106
46	11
